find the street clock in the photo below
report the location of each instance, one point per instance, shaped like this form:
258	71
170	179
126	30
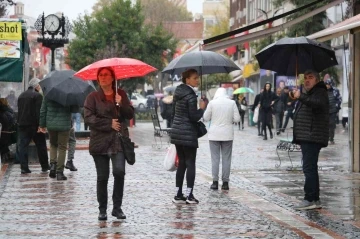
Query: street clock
52	23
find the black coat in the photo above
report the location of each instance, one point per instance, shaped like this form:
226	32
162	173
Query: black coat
186	114
29	104
311	119
265	100
256	101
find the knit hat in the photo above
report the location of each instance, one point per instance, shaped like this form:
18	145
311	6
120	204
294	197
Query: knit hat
34	82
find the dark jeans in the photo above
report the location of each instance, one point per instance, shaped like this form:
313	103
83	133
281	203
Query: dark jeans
242	115
279	120
187	159
102	163
332	126
288	115
266	121
310	157
26	134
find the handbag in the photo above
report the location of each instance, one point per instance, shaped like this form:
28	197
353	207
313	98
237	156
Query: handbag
256	115
201	129
128	148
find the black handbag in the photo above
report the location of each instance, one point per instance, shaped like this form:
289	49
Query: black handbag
128	148
201	129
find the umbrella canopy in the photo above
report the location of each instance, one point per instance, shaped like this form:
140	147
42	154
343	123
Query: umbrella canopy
205	62
292	56
64	88
123	68
243	90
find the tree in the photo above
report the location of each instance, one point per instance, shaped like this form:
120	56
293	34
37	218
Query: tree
117	29
3	10
222	22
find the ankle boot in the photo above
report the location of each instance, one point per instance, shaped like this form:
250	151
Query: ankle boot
52	173
265	137
271	134
215	185
70	165
118	213
225	186
102	215
60	176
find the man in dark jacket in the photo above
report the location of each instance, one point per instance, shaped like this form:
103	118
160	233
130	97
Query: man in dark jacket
311	124
29	104
334	107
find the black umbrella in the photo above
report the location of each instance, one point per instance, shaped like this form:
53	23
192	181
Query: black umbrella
205	62
65	88
293	56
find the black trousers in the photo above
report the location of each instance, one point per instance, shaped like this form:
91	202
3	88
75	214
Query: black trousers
102	163
187	163
266	121
26	134
310	157
332	126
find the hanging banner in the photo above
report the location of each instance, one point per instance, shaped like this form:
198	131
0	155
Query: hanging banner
10	31
9	49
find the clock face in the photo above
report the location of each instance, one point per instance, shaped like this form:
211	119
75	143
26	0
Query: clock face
52	23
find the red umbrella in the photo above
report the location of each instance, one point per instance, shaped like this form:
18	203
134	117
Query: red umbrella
123	67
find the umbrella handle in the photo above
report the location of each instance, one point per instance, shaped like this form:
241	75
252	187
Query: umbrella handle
117	104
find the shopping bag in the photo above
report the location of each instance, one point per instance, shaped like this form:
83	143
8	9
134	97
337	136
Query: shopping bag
256	115
170	158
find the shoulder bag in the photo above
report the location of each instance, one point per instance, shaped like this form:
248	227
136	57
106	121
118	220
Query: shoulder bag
128	148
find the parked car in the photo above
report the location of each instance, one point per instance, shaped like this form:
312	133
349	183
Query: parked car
138	101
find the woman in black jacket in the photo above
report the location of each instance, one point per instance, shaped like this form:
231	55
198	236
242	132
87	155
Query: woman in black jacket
7	121
184	134
266	102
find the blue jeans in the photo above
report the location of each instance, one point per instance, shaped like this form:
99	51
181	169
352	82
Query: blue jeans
76	117
310	157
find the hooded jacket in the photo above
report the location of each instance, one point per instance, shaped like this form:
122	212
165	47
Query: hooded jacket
311	119
222	112
167	111
266	98
186	114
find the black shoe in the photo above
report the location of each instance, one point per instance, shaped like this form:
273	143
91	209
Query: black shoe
179	200
45	169
259	134
102	216
25	170
52	173
271	135
60	176
243	127
225	186
192	200
265	137
283	130
70	165
278	133
118	213
215	185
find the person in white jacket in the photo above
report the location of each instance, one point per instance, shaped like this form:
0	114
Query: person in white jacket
222	112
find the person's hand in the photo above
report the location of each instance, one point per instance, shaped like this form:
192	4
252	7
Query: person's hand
297	94
41	130
202	104
118	99
289	103
115	124
272	102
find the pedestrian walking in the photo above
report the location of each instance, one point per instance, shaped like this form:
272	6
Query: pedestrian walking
12	100
256	104
71	150
222	112
334	107
167	109
290	107
105	112
267	100
279	108
29	105
311	124
76	117
242	106
184	134
7	121
56	119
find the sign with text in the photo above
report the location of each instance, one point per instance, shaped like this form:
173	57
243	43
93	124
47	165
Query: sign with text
10	31
282	81
9	49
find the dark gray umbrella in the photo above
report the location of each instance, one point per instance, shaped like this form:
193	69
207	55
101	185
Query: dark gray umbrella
292	56
205	62
65	88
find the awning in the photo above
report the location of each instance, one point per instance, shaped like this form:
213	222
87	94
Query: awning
351	25
263	33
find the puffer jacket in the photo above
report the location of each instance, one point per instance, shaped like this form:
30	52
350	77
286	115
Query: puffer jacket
56	117
311	119
186	114
333	108
99	114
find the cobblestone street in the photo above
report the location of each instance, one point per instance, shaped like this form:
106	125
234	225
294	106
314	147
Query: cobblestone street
258	204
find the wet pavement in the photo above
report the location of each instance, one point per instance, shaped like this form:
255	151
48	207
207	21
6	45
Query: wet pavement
258	204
